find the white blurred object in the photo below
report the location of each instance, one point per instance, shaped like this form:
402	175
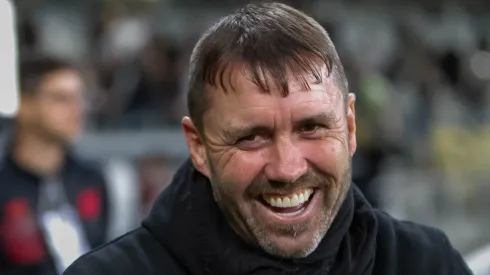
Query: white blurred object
63	32
480	64
479	261
125	37
64	237
370	39
8	61
124	197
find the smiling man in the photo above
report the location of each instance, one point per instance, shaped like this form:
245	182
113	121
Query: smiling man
267	188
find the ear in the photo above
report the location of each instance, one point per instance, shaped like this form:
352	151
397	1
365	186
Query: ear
196	147
351	123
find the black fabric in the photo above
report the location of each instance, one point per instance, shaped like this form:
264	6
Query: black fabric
186	234
196	233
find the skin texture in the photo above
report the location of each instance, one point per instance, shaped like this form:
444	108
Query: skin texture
255	143
55	112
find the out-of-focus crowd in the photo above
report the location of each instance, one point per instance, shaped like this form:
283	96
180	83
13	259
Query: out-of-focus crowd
420	70
412	67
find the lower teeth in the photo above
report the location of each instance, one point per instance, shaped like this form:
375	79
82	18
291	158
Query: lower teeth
292	213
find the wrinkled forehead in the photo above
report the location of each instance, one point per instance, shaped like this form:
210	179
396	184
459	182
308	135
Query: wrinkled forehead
239	89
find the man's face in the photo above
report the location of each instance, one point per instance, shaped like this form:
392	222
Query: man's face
57	109
279	166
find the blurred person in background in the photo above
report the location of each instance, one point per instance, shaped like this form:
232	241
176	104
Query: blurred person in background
267	188
53	206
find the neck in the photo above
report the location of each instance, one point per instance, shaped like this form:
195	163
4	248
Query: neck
38	155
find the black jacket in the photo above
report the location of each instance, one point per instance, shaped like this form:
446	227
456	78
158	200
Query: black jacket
23	250
185	233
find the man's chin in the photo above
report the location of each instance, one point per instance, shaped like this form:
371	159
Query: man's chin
299	246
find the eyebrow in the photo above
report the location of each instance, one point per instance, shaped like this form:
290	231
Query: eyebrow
234	133
324	118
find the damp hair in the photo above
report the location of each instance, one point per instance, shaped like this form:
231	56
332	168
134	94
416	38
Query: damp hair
270	41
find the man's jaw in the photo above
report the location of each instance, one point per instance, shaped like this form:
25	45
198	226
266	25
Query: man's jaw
290	230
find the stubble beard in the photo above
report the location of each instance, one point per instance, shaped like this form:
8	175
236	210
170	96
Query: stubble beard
261	233
323	220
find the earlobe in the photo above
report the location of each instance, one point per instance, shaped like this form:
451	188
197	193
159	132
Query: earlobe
196	146
351	123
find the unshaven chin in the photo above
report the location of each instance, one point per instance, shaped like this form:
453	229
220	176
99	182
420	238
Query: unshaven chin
301	239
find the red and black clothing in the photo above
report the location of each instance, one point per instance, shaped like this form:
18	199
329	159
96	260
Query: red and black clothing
24	249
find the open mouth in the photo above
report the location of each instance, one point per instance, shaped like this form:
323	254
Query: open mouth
289	205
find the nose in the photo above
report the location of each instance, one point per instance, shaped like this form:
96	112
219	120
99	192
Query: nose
287	163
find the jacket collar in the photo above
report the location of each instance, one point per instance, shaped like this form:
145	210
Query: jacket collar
187	221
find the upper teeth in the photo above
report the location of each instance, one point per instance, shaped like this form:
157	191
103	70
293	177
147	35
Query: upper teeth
289	201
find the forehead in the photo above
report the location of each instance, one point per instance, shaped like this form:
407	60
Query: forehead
63	81
241	95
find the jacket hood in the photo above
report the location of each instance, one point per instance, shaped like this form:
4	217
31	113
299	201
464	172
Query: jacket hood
186	220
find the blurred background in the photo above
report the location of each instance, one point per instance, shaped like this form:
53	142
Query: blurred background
420	70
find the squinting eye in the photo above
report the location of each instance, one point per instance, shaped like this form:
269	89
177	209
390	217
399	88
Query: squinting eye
313	131
310	128
251	142
248	138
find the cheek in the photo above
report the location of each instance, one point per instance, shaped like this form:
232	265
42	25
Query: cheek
63	115
240	171
56	119
329	156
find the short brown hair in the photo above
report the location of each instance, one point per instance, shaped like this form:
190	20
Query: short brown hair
269	39
34	69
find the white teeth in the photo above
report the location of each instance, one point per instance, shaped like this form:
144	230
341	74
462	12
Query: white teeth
301	198
273	202
278	202
292	213
295	200
289	201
